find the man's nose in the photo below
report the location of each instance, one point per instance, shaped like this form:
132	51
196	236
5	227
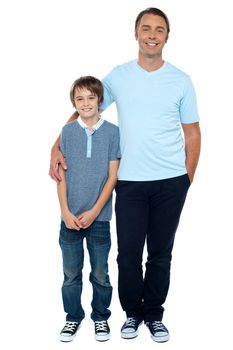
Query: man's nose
152	35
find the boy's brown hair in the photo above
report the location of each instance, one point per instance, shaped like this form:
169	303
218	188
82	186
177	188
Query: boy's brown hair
90	83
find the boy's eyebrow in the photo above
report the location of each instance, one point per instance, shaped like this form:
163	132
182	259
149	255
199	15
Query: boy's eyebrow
91	94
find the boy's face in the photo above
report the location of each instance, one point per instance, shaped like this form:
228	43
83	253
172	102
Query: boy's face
151	35
86	103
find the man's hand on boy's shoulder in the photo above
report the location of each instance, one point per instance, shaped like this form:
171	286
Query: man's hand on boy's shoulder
56	159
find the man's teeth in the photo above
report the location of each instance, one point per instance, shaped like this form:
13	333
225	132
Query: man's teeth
151	44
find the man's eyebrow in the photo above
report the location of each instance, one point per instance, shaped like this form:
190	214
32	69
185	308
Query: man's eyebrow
148	26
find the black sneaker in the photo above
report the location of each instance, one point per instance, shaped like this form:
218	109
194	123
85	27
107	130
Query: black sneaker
69	331
102	330
159	332
129	329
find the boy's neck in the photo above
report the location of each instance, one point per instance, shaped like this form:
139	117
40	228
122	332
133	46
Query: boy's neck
90	122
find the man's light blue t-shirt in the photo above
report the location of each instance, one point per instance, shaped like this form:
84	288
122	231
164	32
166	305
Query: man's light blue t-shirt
151	107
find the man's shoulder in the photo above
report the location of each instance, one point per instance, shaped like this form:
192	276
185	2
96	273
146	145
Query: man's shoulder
173	69
125	66
122	68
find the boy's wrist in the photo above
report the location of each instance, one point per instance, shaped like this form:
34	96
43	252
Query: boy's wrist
95	211
65	212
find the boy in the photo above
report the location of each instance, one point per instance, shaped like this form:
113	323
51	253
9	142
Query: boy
90	146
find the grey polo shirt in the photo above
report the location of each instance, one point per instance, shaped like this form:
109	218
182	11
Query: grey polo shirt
87	155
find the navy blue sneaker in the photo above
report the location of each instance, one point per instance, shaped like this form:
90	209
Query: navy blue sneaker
69	331
102	330
158	331
129	329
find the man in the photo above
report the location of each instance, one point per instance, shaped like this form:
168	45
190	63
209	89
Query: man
160	146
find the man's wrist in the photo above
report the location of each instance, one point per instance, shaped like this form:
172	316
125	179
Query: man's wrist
55	148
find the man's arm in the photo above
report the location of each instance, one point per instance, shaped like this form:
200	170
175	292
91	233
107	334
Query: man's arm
89	216
192	137
57	157
70	220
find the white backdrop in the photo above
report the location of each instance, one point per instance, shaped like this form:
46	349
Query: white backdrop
45	46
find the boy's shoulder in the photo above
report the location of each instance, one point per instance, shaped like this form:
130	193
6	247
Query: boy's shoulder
111	127
68	127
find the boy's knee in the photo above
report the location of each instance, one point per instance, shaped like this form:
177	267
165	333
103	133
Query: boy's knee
100	277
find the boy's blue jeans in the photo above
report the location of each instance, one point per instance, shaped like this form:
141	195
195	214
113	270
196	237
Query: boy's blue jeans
98	244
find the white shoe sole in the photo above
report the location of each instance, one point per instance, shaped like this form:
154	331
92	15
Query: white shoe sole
68	338
104	337
161	339
130	335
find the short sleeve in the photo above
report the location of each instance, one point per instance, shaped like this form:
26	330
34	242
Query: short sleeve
188	104
115	146
108	97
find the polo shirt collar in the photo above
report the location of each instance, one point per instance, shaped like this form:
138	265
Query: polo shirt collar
94	127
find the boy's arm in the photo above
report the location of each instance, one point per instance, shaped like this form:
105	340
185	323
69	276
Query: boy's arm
89	216
57	157
70	220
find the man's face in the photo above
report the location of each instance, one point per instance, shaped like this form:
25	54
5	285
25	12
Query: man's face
151	35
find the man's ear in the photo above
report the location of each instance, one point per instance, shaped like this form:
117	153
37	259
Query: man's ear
136	35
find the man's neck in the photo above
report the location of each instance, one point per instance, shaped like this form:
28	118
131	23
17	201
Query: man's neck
150	63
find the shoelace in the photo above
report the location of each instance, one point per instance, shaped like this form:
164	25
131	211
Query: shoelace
157	325
101	326
70	326
131	321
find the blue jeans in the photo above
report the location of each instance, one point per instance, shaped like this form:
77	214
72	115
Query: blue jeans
98	244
